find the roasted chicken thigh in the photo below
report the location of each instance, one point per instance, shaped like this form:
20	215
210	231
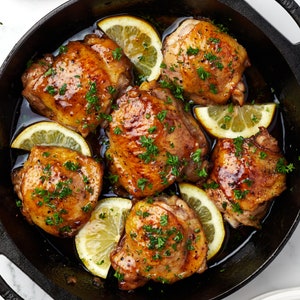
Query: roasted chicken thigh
246	177
76	88
206	62
164	241
58	188
153	141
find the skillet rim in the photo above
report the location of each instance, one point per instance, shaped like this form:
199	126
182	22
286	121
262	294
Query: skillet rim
237	5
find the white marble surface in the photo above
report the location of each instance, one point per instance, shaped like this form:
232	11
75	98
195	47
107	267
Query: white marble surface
17	16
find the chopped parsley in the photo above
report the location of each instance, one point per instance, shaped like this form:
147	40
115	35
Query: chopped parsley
282	167
62	89
164	220
117	130
63	49
175	88
192	51
161	115
87	208
141	183
117	53
92	97
213	88
237	208
239	194
203	74
51	90
151	149
196	156
71	166
238	144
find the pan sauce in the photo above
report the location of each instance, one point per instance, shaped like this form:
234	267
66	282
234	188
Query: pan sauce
256	89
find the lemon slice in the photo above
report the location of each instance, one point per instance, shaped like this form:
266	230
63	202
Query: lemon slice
97	238
50	134
230	121
139	41
210	217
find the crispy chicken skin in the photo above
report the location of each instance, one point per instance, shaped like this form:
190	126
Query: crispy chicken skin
58	188
246	173
153	141
163	241
206	62
76	88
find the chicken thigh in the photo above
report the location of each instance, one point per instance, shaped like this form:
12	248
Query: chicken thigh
164	241
153	141
58	188
206	62
245	177
76	88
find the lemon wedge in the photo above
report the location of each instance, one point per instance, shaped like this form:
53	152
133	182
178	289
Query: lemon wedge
50	134
139	41
98	237
232	121
210	217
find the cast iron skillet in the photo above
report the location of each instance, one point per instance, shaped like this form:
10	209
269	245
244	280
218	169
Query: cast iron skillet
278	62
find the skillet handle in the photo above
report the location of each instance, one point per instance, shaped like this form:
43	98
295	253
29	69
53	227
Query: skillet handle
292	8
7	292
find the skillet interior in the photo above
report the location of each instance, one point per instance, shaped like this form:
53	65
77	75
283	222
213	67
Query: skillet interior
217	281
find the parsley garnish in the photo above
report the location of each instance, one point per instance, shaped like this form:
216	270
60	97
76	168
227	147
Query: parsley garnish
161	115
164	220
176	89
282	167
63	89
111	89
151	149
51	90
141	183
71	166
87	208
119	276
174	162
202	73
63	49
238	194
117	53
92	98
238	144
192	51
213	88
210	185
196	156
237	208
117	130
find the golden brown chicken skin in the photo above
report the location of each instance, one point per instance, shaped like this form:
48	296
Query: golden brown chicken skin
76	88
245	177
58	188
163	241
153	141
206	62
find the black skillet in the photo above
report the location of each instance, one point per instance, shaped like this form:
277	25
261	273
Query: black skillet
51	263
